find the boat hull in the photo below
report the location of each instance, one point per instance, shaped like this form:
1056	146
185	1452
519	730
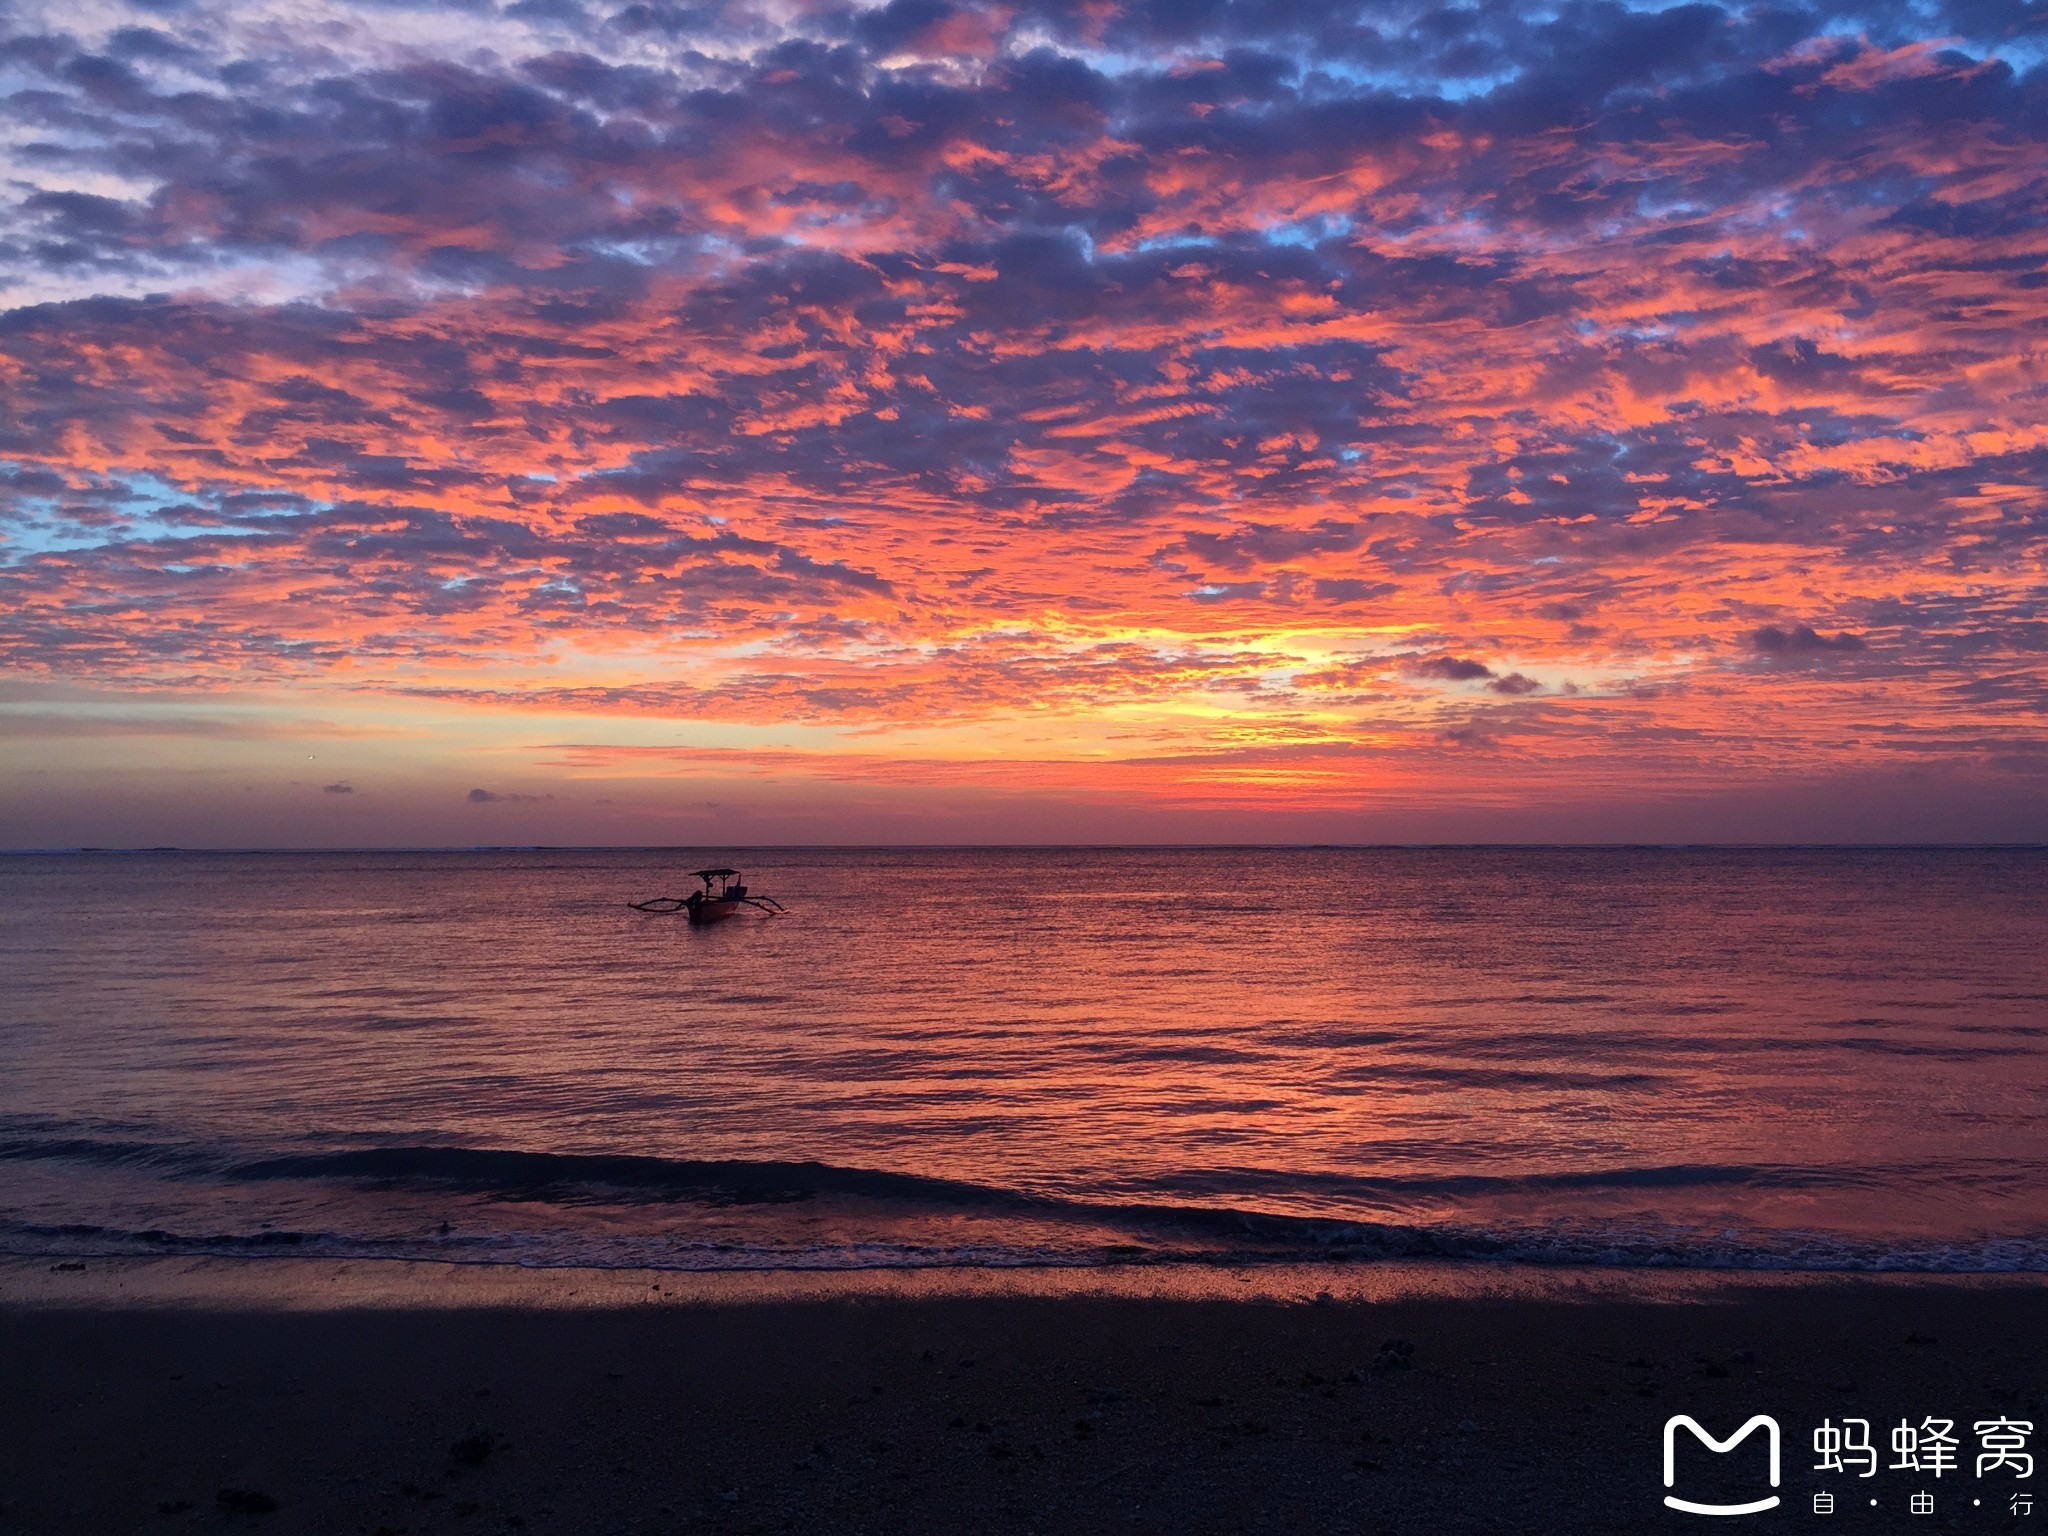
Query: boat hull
712	911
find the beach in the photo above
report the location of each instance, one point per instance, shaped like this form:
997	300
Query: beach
1426	1205
979	768
301	1395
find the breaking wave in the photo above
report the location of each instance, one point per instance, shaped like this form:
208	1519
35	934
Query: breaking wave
883	1219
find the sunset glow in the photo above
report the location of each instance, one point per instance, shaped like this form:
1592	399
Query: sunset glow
619	422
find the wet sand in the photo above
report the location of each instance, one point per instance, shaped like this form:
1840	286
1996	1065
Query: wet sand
175	1396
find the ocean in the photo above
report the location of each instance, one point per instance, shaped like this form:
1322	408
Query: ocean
1754	1059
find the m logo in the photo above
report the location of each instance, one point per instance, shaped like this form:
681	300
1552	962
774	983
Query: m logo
1770	1427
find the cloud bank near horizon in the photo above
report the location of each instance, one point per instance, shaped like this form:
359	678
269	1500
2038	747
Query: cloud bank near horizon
1251	407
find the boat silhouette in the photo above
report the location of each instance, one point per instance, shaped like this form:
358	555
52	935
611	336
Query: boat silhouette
723	895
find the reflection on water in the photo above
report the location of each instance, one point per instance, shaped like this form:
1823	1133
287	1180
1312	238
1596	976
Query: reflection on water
1643	1055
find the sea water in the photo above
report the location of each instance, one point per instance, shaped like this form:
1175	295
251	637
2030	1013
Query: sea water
1822	1059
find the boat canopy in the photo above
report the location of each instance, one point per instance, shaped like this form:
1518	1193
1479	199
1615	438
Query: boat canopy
706	874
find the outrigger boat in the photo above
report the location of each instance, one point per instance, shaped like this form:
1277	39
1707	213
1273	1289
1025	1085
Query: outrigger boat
715	901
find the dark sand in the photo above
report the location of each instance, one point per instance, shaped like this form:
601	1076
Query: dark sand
419	1400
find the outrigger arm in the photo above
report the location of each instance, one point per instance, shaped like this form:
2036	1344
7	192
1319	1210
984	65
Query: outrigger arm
668	904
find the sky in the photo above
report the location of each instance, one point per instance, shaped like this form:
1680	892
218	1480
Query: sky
624	422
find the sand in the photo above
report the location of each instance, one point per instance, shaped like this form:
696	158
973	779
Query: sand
179	1395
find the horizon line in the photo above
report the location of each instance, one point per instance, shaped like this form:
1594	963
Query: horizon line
1048	847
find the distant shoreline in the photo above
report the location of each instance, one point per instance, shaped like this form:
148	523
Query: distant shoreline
772	848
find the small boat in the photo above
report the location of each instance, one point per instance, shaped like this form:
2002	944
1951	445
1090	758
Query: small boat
723	895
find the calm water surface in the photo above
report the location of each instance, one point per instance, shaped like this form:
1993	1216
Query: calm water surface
1780	1058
